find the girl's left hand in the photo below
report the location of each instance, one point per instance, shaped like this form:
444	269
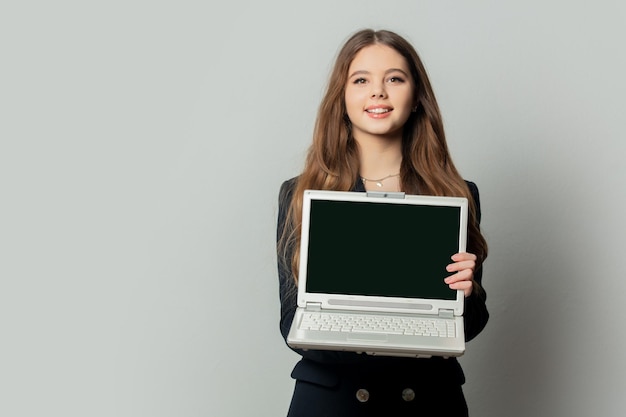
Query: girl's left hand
464	265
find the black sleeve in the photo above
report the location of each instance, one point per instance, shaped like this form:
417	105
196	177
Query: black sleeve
476	314
288	290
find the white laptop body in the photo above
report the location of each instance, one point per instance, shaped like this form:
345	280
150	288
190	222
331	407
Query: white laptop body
384	255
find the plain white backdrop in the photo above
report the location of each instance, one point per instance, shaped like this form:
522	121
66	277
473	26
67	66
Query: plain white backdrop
142	148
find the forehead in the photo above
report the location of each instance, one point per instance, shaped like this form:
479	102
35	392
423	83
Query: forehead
378	57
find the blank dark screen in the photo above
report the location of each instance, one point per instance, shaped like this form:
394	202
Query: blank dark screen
381	249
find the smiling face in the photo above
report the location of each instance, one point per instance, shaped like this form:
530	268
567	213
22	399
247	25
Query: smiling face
379	93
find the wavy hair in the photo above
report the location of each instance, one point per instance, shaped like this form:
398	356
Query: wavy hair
332	161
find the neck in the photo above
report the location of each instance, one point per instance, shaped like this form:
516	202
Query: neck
379	158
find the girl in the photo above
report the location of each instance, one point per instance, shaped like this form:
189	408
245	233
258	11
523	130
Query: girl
379	128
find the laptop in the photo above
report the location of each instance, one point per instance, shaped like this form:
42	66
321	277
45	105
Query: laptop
371	273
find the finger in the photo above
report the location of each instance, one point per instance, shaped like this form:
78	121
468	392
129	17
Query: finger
464	256
464	275
459	266
465	286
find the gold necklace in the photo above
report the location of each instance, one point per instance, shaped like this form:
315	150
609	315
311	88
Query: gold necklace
379	182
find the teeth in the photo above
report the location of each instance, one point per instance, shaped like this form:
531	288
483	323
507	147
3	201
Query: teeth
378	111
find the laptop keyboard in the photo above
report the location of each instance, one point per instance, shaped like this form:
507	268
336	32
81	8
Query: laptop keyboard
371	323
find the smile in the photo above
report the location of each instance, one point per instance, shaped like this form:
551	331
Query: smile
378	110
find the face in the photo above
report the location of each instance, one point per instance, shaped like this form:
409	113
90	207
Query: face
379	93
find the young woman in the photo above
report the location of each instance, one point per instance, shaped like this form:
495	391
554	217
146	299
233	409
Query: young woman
379	128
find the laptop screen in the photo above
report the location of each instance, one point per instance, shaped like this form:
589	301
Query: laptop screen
381	249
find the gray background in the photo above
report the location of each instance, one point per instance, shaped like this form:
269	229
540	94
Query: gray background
143	145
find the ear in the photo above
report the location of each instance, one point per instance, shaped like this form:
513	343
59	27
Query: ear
415	104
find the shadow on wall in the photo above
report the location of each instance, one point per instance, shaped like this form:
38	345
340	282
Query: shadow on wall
528	277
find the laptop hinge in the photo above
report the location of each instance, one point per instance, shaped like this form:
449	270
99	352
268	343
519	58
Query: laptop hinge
385	194
446	313
314	306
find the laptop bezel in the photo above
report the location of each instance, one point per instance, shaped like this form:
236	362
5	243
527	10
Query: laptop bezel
376	303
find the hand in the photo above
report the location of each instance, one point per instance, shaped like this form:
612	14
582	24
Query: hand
463	266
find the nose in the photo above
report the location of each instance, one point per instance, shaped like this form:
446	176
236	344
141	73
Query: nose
378	90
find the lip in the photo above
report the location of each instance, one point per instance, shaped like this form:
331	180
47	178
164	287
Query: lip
378	115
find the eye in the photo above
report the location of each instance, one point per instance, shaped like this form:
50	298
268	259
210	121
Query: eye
359	81
396	79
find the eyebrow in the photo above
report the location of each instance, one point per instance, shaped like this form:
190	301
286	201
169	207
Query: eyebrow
386	72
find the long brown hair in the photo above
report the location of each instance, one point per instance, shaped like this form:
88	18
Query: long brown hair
332	161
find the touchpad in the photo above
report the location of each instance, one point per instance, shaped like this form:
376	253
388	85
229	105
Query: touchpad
374	337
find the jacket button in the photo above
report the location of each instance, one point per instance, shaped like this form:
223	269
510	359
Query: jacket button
408	394
362	395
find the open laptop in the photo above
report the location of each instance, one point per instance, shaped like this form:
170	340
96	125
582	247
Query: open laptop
379	256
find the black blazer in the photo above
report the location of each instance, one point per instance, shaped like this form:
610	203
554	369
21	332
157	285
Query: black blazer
330	368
